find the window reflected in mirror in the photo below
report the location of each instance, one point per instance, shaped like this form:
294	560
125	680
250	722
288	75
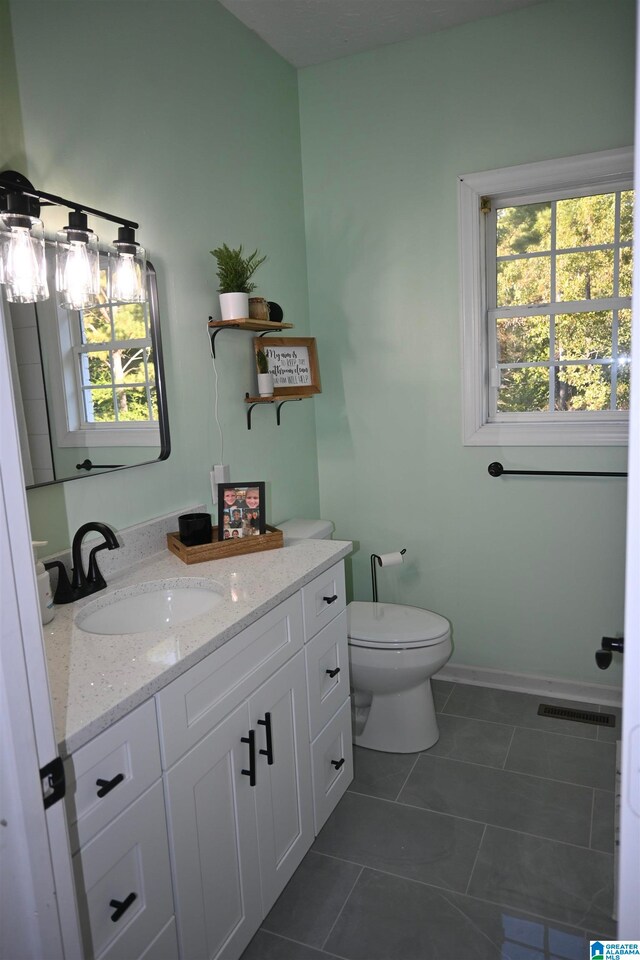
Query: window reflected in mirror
88	384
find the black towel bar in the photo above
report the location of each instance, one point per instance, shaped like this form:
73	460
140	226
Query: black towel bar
497	470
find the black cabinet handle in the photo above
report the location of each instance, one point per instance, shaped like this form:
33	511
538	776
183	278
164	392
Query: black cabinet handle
268	753
251	772
333	673
106	786
337	763
331	599
121	906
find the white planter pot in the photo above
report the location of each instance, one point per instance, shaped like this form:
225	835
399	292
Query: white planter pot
234	306
265	384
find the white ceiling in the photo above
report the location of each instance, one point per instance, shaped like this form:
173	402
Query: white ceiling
305	32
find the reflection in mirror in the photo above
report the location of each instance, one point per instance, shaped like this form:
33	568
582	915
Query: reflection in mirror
88	384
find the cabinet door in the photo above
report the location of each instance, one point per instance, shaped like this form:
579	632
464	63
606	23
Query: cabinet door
283	778
212	825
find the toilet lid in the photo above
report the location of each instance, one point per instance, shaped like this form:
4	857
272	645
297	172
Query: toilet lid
394	625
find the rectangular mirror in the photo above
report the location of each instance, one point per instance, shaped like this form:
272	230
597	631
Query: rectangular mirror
89	385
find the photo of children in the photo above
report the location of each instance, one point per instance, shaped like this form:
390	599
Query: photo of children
240	510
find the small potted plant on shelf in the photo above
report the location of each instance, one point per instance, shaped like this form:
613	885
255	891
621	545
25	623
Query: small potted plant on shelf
265	379
234	275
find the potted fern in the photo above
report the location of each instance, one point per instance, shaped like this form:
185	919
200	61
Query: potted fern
234	276
265	378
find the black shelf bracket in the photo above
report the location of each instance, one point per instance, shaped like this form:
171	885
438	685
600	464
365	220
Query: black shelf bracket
261	403
213	332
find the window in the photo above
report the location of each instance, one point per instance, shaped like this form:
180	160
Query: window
546	265
106	385
114	365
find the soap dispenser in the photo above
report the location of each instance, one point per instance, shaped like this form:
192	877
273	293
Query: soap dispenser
43	579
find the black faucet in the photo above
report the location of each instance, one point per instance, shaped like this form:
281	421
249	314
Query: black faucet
82	585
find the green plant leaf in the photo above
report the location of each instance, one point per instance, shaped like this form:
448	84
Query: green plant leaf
234	270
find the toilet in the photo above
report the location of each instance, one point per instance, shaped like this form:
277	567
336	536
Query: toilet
394	650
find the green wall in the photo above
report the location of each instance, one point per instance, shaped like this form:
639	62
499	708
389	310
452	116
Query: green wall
530	572
175	115
194	130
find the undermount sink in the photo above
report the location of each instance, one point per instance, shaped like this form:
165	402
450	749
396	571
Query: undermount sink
155	605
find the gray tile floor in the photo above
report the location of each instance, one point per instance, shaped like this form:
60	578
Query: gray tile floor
495	844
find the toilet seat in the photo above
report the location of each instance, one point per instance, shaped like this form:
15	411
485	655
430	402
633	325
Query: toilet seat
393	626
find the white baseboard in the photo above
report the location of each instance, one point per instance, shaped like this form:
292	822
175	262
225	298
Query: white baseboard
528	683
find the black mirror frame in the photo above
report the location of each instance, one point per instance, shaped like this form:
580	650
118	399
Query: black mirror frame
163	414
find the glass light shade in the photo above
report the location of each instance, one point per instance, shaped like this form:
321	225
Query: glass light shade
24	268
77	269
128	270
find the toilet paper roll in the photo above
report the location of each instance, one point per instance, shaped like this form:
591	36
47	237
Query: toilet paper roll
391	559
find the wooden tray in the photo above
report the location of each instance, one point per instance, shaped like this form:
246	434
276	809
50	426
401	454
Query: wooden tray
219	549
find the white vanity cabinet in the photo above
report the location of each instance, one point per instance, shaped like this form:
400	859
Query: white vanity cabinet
190	814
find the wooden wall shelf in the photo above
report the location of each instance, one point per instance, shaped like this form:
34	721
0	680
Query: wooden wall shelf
255	326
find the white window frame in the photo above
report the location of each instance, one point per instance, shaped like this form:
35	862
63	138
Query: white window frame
611	428
67	389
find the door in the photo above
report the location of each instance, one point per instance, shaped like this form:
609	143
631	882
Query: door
284	798
629	860
212	828
38	915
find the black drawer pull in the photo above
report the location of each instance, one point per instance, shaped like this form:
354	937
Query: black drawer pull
337	763
268	753
251	772
331	599
106	786
333	673
121	906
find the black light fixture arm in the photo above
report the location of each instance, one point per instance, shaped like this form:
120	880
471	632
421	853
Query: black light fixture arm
12	182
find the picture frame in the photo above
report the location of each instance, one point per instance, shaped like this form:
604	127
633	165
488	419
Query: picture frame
241	510
293	362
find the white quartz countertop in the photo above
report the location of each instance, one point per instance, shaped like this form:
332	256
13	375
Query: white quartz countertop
96	679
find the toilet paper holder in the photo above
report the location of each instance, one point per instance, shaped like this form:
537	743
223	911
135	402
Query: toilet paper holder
384	560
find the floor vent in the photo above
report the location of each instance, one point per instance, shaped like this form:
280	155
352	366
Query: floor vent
580	716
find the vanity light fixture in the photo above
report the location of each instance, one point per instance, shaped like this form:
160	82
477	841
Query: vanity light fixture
23	270
128	268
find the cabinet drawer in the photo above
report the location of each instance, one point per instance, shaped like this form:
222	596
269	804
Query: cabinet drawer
197	701
110	772
327	672
331	747
128	863
323	599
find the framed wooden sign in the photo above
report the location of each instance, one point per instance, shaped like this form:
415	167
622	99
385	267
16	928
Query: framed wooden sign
293	361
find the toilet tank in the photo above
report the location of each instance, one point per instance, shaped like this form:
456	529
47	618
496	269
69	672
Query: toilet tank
306	530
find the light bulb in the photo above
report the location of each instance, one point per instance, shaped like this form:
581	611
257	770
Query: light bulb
77	264
126	278
128	269
24	271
